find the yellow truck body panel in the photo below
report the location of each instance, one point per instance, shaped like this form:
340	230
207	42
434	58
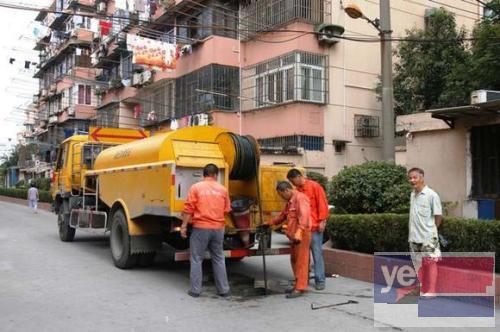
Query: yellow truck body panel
152	176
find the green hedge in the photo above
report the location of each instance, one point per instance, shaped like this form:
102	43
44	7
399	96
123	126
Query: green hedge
23	193
371	233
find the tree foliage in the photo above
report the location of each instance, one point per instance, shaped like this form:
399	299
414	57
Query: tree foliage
485	50
430	74
372	187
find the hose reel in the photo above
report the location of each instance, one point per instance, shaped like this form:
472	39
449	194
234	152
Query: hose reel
246	158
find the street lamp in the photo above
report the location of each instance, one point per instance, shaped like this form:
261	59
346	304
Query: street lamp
383	26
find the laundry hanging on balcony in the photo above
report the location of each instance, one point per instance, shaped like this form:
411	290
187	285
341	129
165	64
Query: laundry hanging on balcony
105	27
137	111
152	53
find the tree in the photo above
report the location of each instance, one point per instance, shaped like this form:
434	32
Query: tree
372	187
485	63
431	74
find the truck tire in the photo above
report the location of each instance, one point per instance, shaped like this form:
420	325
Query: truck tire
120	242
66	232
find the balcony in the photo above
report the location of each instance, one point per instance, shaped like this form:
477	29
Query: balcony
261	16
290	78
52	119
57	23
84	4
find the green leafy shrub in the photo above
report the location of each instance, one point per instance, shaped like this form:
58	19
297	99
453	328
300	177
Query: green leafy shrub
44	196
41	183
320	178
21	184
372	187
371	233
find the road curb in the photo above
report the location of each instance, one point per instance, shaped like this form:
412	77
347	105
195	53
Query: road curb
20	201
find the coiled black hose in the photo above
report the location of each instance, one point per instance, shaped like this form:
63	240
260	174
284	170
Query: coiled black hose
246	158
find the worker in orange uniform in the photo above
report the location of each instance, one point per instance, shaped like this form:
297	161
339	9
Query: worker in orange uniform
297	213
206	204
319	214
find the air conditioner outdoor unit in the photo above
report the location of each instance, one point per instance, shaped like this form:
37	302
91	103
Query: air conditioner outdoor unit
483	96
147	77
136	79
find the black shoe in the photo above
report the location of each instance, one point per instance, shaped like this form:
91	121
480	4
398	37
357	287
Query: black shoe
193	294
319	286
225	294
294	294
289	290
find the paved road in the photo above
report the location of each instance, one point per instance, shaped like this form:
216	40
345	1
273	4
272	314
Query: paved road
48	285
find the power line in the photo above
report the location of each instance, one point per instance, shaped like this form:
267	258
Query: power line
356	39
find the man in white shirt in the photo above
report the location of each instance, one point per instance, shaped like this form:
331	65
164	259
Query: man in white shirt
425	218
33	198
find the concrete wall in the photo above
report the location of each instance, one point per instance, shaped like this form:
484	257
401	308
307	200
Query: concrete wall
442	155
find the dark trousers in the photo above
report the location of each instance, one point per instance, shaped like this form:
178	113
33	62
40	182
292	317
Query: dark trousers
199	241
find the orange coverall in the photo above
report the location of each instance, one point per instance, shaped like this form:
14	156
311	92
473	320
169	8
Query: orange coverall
319	203
297	213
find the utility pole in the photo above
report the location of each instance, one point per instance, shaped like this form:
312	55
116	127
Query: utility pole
387	87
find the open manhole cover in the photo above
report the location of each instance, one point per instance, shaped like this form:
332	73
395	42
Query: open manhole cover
245	288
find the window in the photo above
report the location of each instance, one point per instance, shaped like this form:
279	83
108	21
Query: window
62	157
261	15
208	88
108	117
126	67
198	24
485	152
290	144
366	126
84	94
488	12
70	96
296	76
157	104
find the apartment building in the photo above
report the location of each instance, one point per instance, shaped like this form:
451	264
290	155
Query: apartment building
255	67
65	103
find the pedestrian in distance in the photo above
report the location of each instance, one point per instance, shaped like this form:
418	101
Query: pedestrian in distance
205	208
33	198
425	218
297	214
319	214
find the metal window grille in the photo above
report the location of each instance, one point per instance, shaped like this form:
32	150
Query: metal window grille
295	76
213	87
259	16
157	104
291	143
366	126
213	18
108	117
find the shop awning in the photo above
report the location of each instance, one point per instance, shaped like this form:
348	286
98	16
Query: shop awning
451	114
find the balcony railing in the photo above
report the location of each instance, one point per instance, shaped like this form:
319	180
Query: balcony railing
260	16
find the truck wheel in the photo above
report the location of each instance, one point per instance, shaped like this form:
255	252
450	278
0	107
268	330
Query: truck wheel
120	242
66	232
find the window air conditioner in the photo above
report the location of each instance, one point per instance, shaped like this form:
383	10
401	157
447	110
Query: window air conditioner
483	96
